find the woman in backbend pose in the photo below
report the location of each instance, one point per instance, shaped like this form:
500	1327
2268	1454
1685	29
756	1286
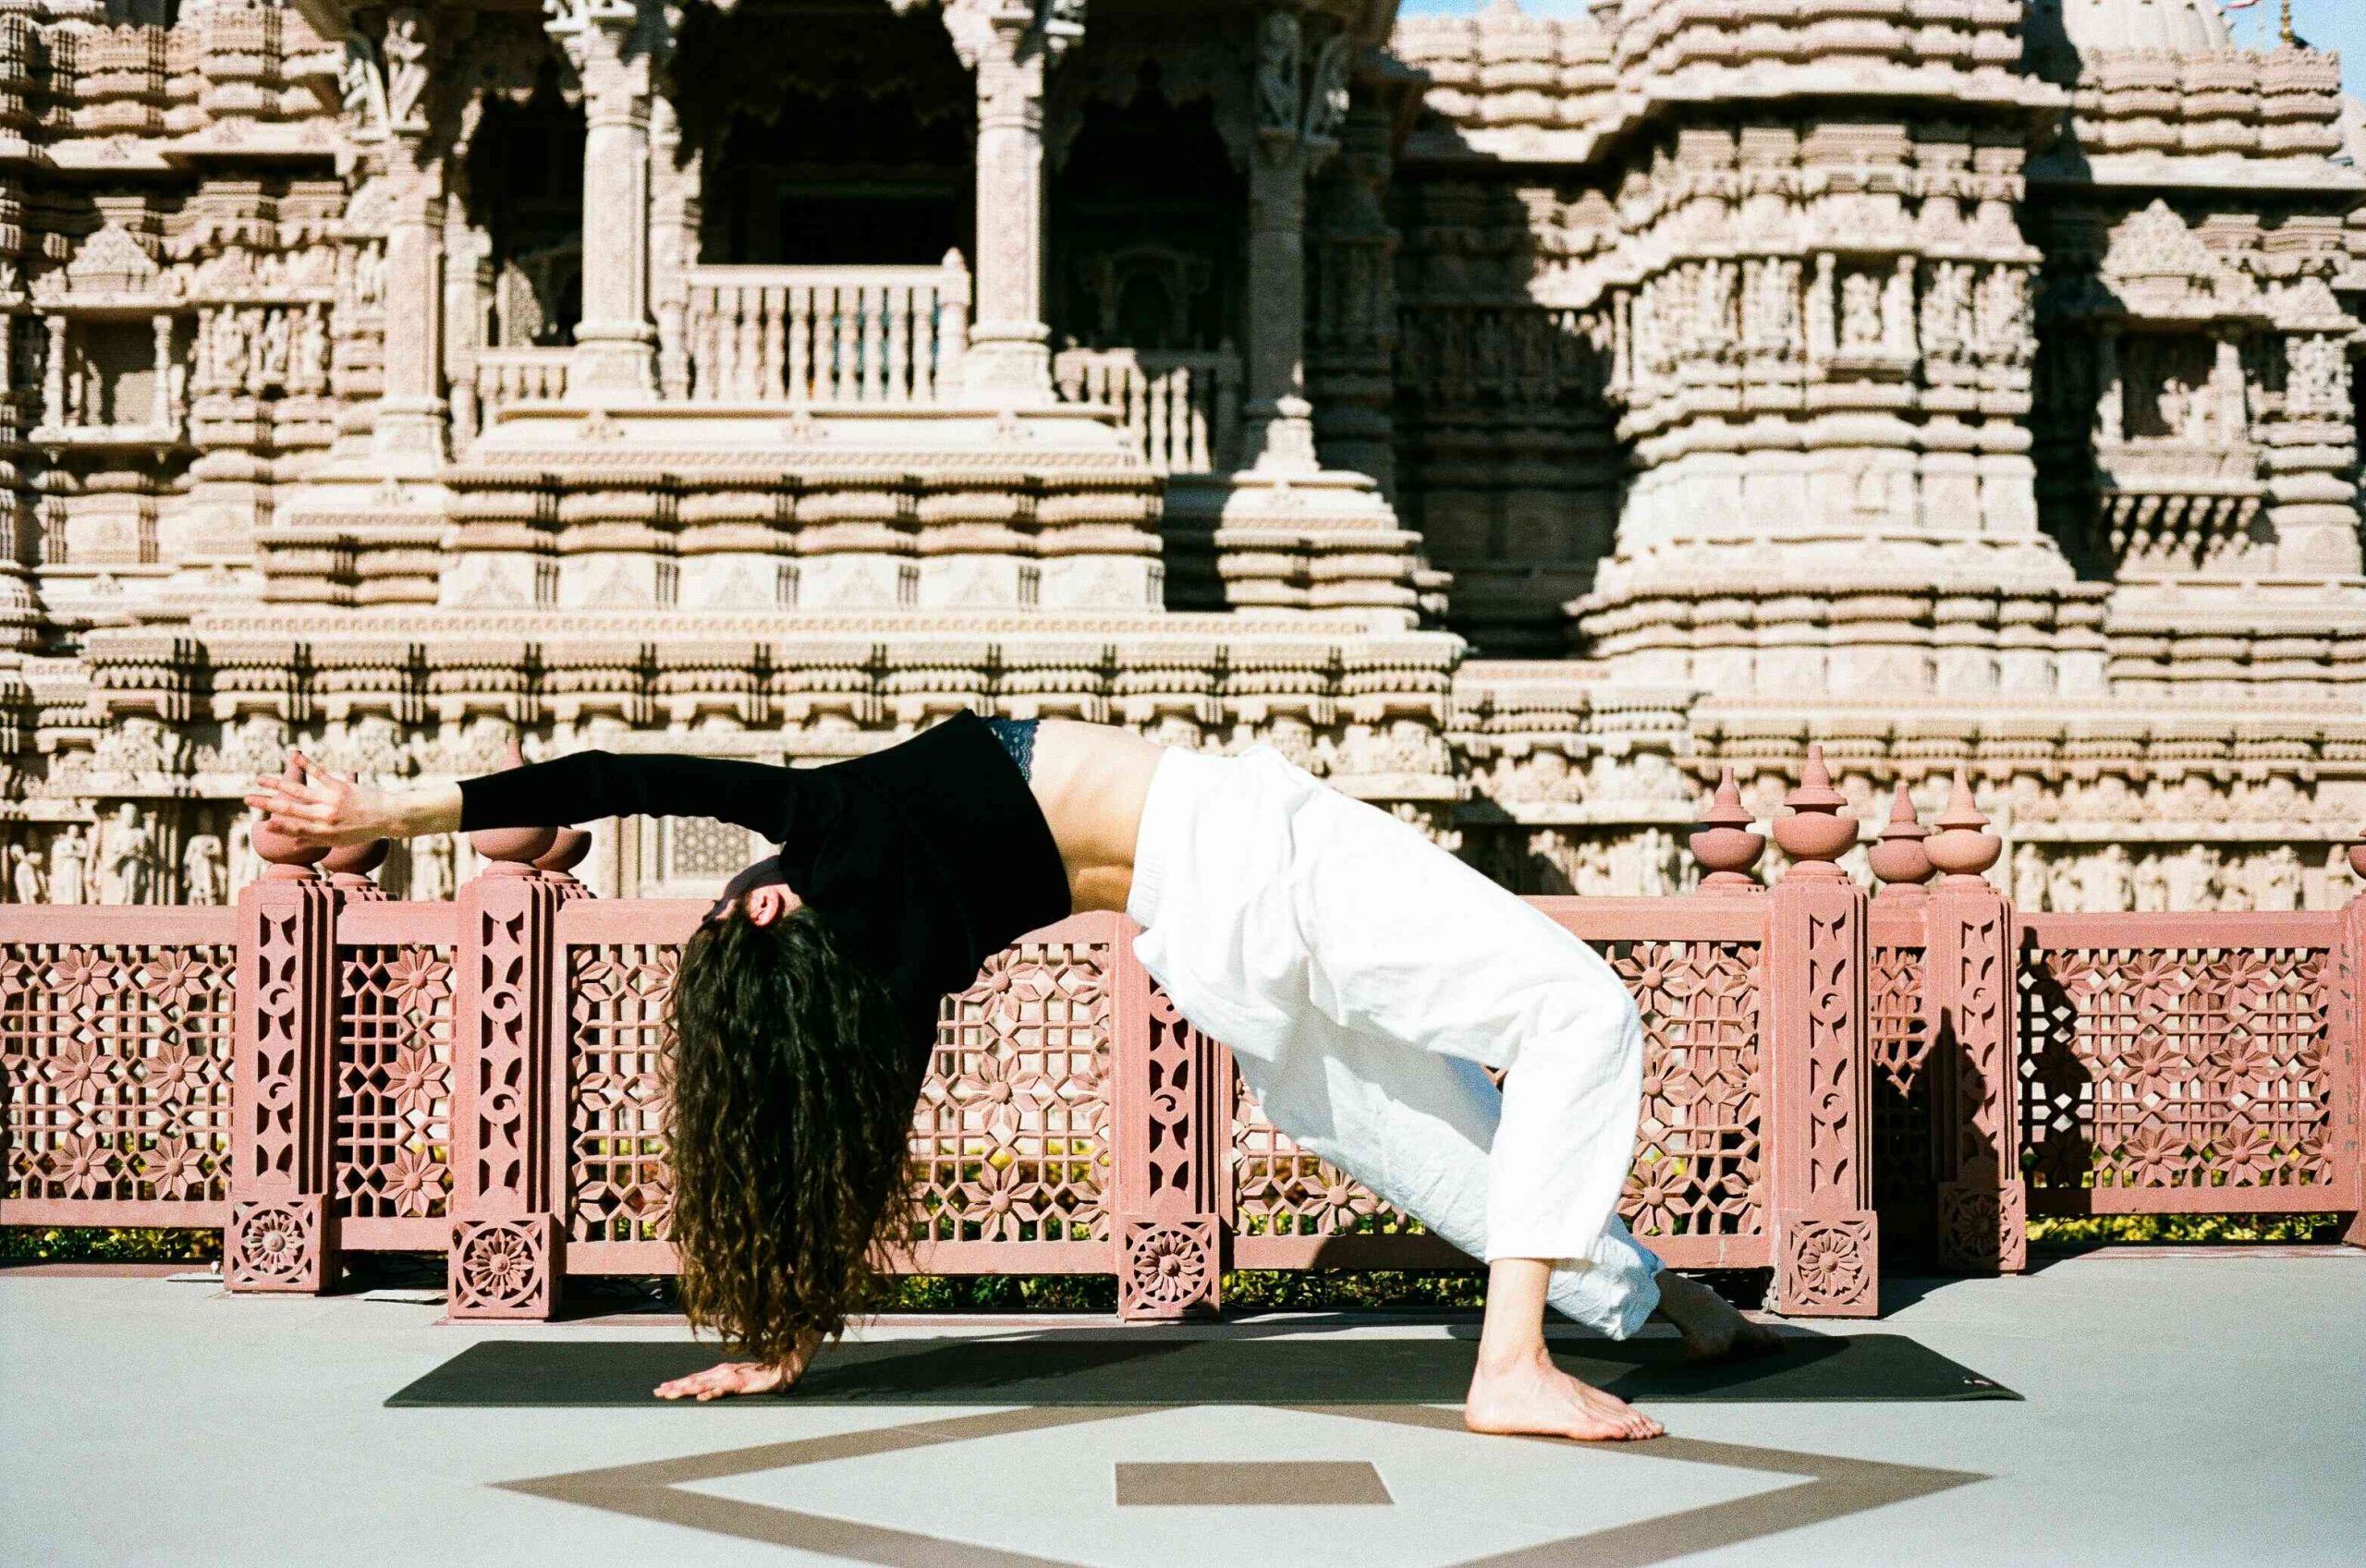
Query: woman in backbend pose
1364	979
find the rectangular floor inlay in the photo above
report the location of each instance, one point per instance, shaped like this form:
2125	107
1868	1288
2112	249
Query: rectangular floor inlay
1318	1482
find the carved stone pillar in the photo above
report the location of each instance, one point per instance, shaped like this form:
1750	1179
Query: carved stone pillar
52	389
161	410
676	183
2312	499
1983	1207
615	46
1010	44
1350	366
1280	421
506	1256
1818	1036
410	435
282	1234
1167	1223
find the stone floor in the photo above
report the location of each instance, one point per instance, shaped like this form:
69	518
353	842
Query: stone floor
2183	1407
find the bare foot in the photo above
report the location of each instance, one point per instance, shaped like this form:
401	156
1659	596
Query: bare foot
744	1377
1533	1396
1712	1327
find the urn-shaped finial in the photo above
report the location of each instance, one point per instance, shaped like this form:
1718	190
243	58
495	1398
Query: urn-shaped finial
566	853
349	865
1899	860
513	851
1723	844
284	857
1817	833
1963	847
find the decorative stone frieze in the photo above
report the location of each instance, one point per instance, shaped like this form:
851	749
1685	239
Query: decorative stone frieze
1520	422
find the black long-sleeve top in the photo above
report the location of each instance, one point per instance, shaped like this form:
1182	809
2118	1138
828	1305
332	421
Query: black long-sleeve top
926	858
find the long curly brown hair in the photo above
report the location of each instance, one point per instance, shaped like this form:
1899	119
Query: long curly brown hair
791	1088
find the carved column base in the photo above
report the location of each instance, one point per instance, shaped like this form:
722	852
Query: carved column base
1983	1229
1007	365
613	366
1827	1265
411	439
1167	1267
284	1245
505	1268
1281	438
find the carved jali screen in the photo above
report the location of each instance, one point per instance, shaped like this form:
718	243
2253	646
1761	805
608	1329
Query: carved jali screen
1012	1132
117	1062
393	1082
2174	1068
1698	1160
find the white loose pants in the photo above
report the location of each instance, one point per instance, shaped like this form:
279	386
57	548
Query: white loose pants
1364	979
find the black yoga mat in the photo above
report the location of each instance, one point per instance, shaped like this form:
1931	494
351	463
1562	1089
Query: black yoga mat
1153	1369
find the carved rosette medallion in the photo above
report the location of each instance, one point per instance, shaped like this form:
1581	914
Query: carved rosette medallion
275	1244
1167	1267
1826	1268
503	1268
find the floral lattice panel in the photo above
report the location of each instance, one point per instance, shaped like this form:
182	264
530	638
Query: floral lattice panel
1012	1137
1696	1170
622	1189
393	1082
1905	1142
116	1060
1281	1190
2175	1068
1697	1160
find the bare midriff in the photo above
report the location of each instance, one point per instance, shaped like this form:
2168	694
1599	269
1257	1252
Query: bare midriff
1091	781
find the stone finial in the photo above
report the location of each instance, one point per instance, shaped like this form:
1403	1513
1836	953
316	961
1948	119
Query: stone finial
566	853
285	858
2358	857
1899	860
1963	847
1723	844
1817	833
349	866
513	851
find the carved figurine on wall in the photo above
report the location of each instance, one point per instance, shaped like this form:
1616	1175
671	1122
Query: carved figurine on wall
26	882
68	853
2029	878
205	873
127	865
245	864
431	868
1362	978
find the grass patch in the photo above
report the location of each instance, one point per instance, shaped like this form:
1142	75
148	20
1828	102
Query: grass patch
95	1244
2102	1229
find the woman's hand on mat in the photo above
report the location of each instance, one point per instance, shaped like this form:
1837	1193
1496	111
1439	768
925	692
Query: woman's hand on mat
744	1377
313	806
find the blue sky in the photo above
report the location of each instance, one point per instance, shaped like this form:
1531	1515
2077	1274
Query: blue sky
2328	24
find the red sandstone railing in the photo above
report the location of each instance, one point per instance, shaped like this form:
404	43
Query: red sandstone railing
1831	1079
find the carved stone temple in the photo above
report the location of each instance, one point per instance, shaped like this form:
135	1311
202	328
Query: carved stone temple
1515	420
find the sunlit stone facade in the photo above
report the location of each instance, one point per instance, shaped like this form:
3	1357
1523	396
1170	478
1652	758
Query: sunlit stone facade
1514	420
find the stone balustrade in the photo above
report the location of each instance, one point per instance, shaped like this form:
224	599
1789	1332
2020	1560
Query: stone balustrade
1832	1078
1185	407
828	335
503	377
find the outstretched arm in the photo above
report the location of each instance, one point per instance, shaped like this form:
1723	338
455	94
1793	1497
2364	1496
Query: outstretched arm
314	806
318	806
